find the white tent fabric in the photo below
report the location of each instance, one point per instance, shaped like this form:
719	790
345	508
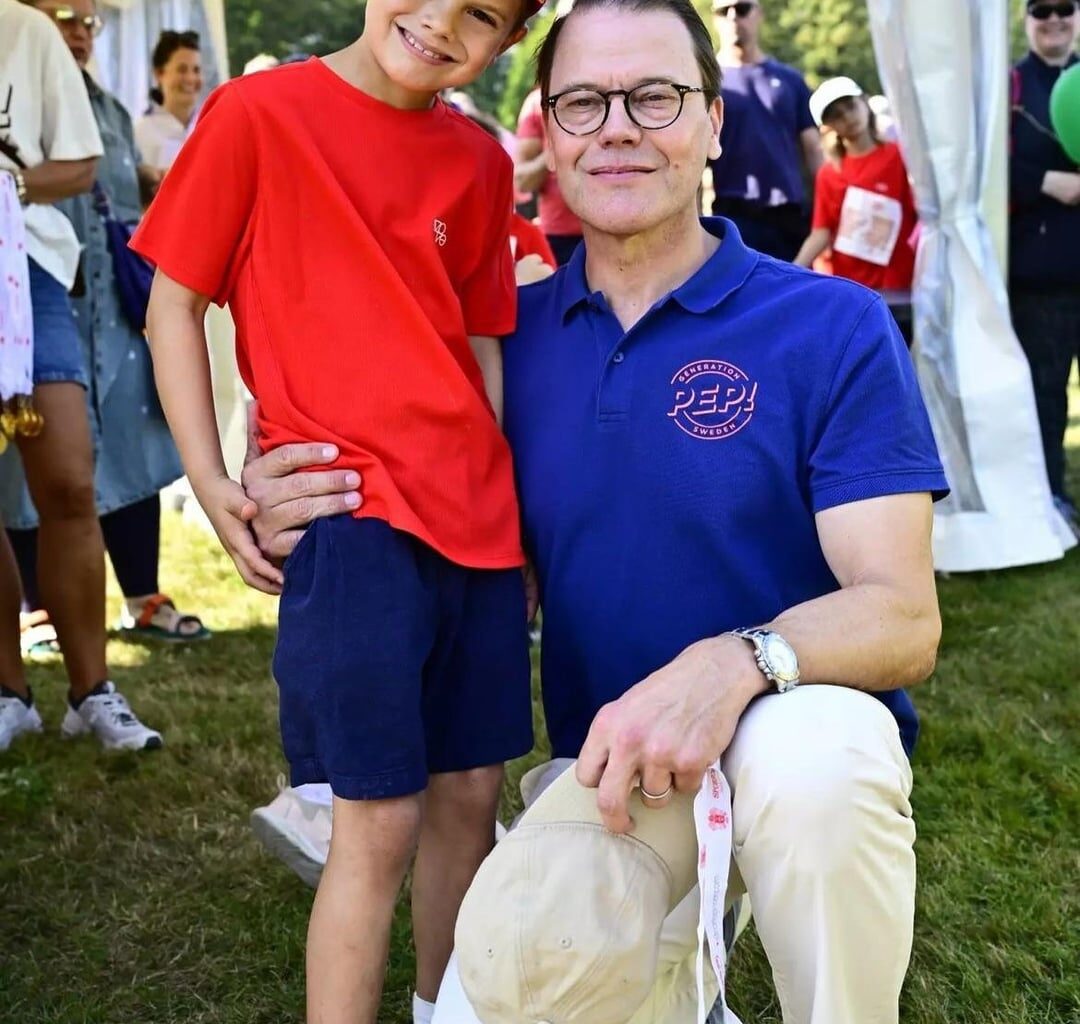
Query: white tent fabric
944	65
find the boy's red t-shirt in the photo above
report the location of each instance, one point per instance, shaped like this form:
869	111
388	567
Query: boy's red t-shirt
358	246
881	171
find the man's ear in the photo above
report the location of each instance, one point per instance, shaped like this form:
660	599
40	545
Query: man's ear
716	117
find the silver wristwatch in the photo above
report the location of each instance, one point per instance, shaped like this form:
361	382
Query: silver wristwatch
775	657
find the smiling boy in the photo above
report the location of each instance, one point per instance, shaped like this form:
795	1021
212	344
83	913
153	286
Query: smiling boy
369	295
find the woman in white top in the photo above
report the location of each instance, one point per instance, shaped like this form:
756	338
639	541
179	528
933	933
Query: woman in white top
161	132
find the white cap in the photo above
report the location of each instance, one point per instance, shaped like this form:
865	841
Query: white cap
829	92
540	939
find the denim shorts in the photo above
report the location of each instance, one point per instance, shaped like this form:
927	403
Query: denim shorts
58	348
393	663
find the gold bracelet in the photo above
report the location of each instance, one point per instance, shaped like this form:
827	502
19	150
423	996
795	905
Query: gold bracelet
20	187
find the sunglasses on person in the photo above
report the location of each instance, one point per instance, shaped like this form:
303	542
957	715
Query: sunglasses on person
66	17
741	9
1040	12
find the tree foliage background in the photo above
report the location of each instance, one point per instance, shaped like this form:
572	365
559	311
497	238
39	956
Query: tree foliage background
820	37
282	27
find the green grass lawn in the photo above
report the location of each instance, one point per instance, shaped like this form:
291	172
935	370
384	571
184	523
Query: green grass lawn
131	889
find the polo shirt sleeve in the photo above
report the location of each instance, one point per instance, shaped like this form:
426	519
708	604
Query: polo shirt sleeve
873	434
68	128
196	229
489	295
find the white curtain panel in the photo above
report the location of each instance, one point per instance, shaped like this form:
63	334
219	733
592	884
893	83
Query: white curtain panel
122	51
944	65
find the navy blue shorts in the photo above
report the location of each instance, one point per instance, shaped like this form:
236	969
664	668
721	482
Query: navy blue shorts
58	349
394	663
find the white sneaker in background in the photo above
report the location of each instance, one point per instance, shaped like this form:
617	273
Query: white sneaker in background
105	713
17	716
297	832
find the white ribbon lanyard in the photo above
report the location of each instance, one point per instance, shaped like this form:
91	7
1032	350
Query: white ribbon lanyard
712	823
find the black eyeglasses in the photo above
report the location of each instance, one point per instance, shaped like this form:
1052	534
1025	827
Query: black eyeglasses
651	106
66	17
1040	12
741	9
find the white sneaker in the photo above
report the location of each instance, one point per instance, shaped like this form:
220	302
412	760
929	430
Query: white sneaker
16	717
106	714
297	832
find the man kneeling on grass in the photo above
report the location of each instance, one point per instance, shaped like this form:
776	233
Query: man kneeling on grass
707	439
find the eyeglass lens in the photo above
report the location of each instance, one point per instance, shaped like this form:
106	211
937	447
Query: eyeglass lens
66	16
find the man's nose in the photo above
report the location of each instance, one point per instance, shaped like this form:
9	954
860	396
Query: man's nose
619	124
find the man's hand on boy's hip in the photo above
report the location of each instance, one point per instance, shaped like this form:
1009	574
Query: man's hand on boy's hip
230	510
289	500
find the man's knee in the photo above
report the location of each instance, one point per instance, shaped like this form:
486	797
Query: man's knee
821	789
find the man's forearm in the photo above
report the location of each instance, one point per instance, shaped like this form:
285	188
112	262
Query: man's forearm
53	180
868	636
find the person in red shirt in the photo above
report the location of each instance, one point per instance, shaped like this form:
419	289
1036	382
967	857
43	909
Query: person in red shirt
863	206
532	174
369	298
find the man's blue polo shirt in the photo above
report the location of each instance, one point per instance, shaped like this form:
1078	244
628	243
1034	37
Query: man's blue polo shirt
669	475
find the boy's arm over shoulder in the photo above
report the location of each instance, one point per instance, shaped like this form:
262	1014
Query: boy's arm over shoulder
199	225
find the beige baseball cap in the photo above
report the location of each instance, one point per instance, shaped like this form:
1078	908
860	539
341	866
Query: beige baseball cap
562	923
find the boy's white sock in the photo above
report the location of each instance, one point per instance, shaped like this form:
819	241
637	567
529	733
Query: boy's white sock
422	1010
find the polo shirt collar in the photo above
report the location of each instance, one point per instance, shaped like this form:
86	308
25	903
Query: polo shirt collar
722	273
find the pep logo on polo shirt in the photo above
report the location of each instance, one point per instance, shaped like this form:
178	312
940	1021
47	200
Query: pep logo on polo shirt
712	399
439	228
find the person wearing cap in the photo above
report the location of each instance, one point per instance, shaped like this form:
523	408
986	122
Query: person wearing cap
1044	231
725	472
769	142
369	296
863	206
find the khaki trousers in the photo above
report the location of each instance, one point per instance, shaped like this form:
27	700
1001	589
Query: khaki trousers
823	845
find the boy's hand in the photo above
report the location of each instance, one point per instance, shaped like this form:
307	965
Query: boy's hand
531	268
230	510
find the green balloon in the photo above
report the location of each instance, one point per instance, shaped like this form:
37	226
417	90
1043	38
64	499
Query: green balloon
1065	111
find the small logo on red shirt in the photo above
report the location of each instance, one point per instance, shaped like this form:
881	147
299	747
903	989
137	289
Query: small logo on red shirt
713	399
440	232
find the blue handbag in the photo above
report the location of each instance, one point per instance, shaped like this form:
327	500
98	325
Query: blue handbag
133	274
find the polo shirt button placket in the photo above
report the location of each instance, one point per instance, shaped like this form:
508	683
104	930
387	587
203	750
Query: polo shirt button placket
615	389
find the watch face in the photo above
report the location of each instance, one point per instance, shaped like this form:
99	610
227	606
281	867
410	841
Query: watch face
780	658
